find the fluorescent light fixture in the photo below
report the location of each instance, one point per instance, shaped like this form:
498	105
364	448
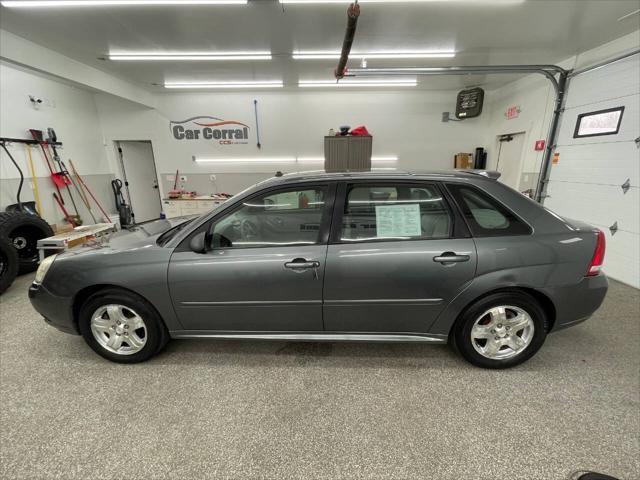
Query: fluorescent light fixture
357	83
223	85
258	160
246	160
374	159
390	54
344	2
113	3
190	56
310	159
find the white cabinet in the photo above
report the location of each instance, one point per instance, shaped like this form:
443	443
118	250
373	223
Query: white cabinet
171	208
192	206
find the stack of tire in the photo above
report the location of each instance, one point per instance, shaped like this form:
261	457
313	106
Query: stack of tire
19	235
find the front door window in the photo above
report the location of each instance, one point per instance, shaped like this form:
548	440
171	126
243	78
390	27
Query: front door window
291	217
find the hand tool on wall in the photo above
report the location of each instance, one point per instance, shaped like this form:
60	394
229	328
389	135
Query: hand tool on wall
34	179
84	187
63	174
80	193
37	136
67	217
255	107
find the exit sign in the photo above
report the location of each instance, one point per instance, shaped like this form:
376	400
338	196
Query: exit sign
512	112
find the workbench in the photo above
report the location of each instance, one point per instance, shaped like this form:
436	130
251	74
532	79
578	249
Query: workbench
78	236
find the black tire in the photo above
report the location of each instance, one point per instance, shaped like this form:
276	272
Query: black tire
157	335
8	264
23	231
464	344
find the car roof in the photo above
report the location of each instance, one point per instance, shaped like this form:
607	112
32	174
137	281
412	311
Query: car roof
321	175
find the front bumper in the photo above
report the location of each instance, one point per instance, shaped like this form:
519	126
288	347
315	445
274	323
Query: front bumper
57	311
576	303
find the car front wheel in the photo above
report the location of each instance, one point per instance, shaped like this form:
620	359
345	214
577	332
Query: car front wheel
501	330
121	326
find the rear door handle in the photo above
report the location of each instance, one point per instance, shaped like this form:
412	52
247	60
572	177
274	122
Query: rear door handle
301	264
451	257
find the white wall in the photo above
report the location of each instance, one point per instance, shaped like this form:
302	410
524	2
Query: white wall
20	51
406	124
586	182
72	112
535	96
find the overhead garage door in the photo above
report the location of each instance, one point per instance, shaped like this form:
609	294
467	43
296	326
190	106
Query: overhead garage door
587	181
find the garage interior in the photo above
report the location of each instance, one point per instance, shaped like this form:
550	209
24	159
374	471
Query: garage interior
170	108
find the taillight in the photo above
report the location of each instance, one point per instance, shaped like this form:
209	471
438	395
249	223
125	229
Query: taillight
598	255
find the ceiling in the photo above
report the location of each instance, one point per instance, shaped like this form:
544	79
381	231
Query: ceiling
482	32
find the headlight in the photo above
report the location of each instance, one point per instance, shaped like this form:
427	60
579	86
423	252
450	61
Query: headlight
44	267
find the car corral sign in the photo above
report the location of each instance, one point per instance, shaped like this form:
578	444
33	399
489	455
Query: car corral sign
224	132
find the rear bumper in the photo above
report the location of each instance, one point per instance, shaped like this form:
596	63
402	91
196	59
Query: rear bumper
57	311
576	303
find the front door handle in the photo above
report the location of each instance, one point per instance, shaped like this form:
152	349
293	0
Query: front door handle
301	264
451	257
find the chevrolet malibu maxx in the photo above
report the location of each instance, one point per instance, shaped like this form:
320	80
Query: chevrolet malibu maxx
377	257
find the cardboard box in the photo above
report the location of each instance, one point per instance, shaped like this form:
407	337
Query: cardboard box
61	228
463	160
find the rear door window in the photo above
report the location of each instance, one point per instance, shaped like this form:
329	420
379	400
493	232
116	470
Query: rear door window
394	212
486	216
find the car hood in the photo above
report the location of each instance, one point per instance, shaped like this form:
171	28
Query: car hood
139	236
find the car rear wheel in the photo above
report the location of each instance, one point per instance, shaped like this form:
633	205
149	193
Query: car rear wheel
121	326
501	330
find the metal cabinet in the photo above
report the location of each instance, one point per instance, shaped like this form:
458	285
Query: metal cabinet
348	154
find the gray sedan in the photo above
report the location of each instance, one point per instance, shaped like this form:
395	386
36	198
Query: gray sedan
394	257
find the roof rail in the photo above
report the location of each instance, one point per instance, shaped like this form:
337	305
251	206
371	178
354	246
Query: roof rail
492	174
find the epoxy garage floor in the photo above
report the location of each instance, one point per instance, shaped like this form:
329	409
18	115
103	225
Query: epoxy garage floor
292	410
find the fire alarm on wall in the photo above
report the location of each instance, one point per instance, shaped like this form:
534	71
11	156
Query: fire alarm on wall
539	145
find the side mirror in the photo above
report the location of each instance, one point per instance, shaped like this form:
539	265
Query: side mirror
198	243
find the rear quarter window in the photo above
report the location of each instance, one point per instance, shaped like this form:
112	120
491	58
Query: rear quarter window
486	216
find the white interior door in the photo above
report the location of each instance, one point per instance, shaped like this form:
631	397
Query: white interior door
597	178
510	159
139	172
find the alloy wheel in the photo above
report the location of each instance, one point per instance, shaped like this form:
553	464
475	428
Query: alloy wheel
502	332
119	329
